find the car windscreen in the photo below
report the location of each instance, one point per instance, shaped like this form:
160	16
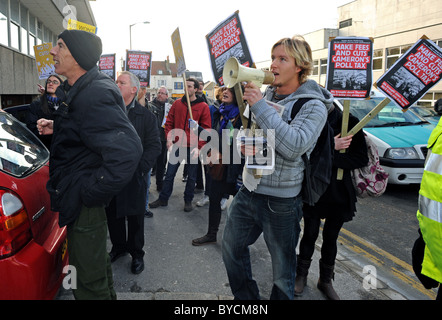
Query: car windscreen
423	112
390	115
21	152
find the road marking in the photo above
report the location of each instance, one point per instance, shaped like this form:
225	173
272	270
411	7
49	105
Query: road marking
402	276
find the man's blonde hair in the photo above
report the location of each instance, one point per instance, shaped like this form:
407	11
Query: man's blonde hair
300	50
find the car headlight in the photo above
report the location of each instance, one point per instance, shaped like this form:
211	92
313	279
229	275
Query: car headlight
401	153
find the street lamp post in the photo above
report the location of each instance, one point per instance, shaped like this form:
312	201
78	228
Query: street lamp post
130	31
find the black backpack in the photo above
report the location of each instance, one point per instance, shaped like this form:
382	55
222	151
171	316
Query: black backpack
318	169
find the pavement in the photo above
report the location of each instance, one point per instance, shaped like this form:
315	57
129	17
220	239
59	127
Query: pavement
176	270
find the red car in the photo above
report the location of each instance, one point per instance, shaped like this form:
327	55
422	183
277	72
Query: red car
33	248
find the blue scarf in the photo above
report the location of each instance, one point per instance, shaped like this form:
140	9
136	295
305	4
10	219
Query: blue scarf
54	100
228	112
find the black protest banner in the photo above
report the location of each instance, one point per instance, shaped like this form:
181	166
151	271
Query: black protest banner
107	65
413	74
139	63
350	67
225	41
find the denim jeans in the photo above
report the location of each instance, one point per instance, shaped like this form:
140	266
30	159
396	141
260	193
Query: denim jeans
172	168
249	215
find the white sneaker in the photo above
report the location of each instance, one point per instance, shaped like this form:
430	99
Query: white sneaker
203	201
223	204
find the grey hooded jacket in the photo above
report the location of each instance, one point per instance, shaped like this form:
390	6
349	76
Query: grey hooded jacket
292	138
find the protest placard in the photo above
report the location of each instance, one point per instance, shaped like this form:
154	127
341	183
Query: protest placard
350	67
413	74
43	60
139	63
77	25
181	64
225	41
178	51
107	65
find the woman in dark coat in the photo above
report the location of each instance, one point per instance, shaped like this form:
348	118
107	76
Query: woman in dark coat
336	206
44	107
226	118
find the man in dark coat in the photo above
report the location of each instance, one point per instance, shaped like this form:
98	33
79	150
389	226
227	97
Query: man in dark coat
94	153
130	203
160	107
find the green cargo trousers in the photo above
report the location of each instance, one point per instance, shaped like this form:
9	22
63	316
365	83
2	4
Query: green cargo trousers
87	238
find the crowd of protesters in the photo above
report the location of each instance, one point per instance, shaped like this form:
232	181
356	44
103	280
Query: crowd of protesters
105	139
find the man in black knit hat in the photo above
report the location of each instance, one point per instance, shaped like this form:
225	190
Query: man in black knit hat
94	153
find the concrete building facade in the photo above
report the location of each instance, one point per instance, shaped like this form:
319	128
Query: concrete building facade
394	25
24	24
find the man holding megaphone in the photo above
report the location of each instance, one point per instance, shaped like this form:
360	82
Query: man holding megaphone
274	207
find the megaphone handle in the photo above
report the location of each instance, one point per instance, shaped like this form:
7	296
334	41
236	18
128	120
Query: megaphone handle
241	105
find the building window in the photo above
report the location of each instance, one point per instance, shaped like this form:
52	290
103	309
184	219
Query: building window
378	58
178	86
429	99
32	34
24	41
323	69
15	11
24	29
315	71
4	13
345	23
394	53
161	83
32	43
15	24
15	37
39	32
48	35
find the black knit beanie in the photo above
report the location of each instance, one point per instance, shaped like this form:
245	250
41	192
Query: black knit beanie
85	47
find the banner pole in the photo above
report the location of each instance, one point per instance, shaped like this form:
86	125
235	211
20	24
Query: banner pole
187	96
345	116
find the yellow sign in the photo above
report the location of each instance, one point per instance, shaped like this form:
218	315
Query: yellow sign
77	25
44	61
178	50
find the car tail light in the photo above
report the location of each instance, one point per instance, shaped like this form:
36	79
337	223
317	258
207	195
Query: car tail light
15	229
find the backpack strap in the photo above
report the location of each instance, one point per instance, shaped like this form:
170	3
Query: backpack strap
297	106
295	109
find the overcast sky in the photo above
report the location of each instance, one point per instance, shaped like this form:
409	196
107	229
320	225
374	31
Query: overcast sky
263	22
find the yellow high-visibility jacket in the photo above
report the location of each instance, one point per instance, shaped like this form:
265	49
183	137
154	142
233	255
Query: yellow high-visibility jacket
429	212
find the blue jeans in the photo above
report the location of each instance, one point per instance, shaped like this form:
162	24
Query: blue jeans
249	215
171	171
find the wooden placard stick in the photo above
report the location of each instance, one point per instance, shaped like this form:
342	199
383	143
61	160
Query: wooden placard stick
360	124
187	96
369	116
344	128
